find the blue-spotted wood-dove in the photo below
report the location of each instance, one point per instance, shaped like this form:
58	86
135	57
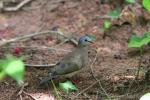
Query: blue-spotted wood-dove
73	62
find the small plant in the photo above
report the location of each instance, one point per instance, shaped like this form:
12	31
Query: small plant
66	86
115	13
146	4
56	91
106	25
139	42
12	66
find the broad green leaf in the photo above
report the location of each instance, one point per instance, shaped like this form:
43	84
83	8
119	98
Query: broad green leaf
145	38
145	97
115	13
66	86
139	41
130	1
13	67
107	24
146	4
134	41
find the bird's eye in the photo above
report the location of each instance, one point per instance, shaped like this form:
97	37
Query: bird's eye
86	40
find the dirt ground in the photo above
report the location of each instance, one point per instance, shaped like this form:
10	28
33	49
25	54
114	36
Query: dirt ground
112	62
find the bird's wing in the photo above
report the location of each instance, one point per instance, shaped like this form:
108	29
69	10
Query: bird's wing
68	65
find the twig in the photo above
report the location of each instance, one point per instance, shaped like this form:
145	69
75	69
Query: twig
20	97
140	62
21	4
4	42
96	98
91	67
138	71
40	66
97	81
74	41
66	40
87	88
21	90
29	95
87	96
55	89
127	97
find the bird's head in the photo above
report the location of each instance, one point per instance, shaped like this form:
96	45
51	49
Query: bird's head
85	40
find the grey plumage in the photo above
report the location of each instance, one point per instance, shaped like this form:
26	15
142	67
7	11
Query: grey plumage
72	63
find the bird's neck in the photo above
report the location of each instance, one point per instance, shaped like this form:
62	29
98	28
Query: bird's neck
81	47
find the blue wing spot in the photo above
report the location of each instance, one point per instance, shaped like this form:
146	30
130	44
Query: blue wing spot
62	65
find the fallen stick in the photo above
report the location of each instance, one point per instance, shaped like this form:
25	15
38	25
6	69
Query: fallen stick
19	6
99	81
86	88
4	42
40	66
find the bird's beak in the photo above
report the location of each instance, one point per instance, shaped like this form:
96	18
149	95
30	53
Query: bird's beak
92	43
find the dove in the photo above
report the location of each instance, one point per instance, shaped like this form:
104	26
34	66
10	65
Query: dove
73	62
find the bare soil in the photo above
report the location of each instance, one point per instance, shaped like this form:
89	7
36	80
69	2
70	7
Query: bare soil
114	58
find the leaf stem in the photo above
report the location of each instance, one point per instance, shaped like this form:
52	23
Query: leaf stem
55	89
140	62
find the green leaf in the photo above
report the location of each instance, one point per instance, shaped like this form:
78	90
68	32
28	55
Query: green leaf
139	41
145	97
115	13
146	4
13	67
130	1
66	86
107	24
2	75
134	41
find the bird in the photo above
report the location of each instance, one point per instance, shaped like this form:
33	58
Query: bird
73	62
